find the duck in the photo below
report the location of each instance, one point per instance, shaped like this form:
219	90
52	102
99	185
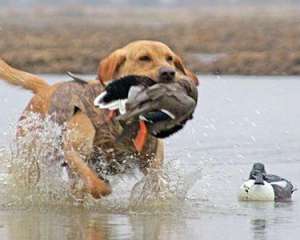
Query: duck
261	186
160	107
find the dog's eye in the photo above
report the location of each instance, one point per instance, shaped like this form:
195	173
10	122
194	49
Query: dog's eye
145	58
169	58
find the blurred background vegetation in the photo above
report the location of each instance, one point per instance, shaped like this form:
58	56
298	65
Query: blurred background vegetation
213	36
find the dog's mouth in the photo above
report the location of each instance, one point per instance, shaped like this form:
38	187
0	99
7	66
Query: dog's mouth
166	79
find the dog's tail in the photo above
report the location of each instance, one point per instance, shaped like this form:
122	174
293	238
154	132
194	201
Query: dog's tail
20	78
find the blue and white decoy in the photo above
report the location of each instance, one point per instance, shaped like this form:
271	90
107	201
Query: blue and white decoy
265	187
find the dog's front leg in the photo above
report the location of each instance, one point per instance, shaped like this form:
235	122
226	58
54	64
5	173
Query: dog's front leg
159	155
155	183
78	144
154	162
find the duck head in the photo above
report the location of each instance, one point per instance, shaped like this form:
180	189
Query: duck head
258	173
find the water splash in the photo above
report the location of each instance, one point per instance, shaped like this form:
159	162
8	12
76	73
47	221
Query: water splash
31	175
165	188
31	164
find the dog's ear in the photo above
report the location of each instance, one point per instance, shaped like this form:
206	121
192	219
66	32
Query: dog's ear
179	64
109	66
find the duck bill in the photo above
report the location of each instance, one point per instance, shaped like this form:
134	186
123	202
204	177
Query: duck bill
259	179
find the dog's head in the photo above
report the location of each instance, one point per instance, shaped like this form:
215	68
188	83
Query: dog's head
146	58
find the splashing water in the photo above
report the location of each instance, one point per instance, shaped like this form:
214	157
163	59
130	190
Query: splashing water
32	164
31	175
163	188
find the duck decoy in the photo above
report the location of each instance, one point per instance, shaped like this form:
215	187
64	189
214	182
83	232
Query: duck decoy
265	187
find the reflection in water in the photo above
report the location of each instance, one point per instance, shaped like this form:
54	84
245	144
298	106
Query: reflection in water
259	228
158	227
74	224
264	224
81	224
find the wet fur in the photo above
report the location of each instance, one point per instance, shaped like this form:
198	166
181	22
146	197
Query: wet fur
122	62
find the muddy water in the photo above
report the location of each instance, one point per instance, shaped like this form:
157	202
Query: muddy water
239	120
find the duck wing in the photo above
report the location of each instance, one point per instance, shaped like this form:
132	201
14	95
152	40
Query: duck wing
119	89
272	178
141	101
116	93
171	98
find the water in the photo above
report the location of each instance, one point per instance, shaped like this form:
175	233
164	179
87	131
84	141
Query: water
239	120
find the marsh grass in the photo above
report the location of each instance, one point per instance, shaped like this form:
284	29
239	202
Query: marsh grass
234	41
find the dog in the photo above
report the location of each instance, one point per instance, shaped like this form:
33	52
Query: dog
87	126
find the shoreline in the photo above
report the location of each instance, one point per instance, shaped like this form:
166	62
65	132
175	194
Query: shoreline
255	42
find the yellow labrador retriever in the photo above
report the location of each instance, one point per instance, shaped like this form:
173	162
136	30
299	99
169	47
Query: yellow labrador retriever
89	128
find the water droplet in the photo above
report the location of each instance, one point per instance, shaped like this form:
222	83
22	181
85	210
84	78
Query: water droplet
253	138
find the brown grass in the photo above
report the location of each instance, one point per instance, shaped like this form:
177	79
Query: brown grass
238	41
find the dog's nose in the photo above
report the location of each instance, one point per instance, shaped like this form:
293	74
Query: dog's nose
166	74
